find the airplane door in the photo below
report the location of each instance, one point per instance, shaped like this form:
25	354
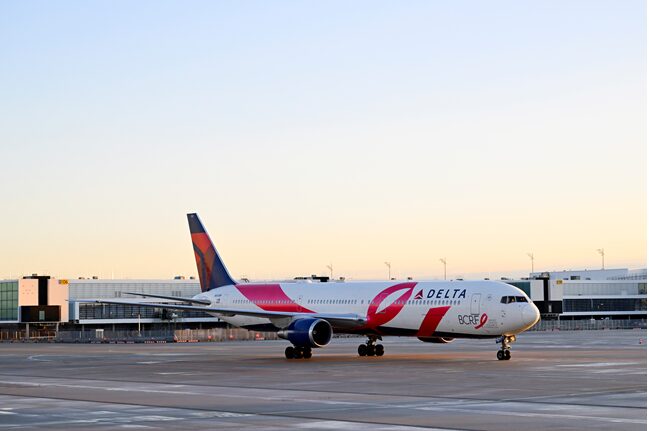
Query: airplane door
475	303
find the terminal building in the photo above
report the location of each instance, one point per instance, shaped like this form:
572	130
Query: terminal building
33	299
83	312
595	294
42	300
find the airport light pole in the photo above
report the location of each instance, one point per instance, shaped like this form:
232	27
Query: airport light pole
389	265
443	260
601	252
531	256
331	271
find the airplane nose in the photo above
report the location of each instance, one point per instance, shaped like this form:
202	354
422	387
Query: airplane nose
531	315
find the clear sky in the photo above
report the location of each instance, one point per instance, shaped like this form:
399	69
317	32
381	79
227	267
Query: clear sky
308	133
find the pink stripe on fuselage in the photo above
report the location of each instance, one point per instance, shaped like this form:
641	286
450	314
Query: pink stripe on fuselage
270	297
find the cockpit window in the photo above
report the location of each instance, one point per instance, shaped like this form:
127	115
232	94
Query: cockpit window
510	299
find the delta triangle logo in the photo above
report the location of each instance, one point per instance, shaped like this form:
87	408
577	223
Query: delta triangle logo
419	294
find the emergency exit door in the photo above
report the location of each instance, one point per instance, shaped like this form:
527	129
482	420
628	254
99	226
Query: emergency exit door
475	303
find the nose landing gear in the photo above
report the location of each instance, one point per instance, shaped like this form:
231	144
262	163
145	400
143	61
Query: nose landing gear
371	348
505	354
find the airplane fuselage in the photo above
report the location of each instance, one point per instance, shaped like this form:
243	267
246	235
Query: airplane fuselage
456	309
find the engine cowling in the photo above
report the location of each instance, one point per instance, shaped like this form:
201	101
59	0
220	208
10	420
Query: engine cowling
442	340
307	332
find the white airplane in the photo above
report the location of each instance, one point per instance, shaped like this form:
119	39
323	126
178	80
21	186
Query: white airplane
307	314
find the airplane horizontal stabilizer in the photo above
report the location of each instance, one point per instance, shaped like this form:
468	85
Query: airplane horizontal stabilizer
174	298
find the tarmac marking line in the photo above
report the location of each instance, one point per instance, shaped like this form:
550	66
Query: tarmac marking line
530	414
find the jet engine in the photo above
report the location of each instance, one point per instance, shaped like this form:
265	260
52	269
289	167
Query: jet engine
307	332
442	340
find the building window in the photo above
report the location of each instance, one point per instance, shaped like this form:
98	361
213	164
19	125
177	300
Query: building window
9	300
605	304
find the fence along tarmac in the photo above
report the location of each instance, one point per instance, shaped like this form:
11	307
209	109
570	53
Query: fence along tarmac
238	334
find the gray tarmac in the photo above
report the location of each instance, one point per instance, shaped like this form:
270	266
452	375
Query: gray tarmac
588	380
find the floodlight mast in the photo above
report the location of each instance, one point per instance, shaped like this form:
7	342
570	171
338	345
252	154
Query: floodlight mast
531	256
601	252
443	260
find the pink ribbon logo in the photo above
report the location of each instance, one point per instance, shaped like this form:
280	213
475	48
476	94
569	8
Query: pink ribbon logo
483	320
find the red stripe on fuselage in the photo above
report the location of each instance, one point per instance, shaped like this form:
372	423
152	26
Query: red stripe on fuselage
430	322
270	297
376	318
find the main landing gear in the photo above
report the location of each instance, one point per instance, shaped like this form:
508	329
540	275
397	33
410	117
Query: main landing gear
505	354
371	348
297	352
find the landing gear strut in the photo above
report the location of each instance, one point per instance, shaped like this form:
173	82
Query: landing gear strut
505	354
371	348
297	352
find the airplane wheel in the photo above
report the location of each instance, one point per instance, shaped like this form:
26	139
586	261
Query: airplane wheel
500	355
289	352
307	353
362	350
508	355
379	350
371	350
299	353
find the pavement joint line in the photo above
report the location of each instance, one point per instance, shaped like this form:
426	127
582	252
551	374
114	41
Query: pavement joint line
613	391
162	391
245	413
463	410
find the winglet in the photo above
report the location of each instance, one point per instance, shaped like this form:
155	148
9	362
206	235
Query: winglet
211	271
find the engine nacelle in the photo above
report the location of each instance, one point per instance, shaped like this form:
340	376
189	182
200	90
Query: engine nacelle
307	332
442	340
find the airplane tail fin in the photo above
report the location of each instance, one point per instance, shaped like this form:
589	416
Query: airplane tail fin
211	271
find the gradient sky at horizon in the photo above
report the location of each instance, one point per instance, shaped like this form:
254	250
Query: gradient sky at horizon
309	133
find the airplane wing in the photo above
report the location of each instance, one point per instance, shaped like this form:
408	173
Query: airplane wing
336	320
